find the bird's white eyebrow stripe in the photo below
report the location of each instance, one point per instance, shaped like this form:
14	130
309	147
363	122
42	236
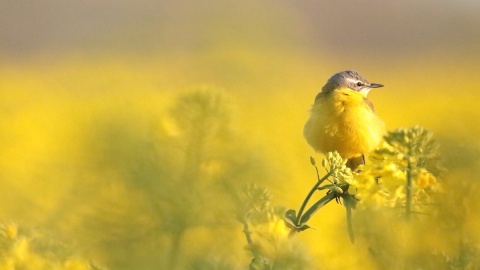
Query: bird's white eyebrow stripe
351	80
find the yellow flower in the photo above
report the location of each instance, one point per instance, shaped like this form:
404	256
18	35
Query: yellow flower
11	230
425	179
367	190
277	227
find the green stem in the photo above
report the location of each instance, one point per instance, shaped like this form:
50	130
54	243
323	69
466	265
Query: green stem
409	190
316	206
246	231
248	236
304	204
348	207
175	249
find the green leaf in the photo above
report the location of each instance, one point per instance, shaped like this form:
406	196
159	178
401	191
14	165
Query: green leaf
351	235
314	208
304	227
349	199
258	264
350	202
290	217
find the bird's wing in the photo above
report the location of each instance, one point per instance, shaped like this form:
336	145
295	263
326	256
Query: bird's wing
369	104
319	96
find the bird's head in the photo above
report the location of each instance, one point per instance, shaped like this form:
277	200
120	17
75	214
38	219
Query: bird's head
349	79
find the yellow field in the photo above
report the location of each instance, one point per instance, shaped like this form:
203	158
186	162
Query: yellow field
94	157
168	134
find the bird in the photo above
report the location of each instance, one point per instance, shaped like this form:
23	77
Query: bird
342	119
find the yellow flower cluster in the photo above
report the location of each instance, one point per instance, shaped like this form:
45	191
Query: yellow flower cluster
379	183
426	180
382	182
398	166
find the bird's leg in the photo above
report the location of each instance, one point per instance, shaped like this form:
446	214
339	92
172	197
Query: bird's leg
354	162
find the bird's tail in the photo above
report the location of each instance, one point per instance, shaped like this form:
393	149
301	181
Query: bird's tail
354	162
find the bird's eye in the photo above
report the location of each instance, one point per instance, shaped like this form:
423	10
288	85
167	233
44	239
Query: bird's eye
359	84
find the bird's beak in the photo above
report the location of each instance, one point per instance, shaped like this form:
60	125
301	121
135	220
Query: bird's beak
375	85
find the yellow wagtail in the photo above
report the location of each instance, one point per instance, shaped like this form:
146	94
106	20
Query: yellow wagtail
344	120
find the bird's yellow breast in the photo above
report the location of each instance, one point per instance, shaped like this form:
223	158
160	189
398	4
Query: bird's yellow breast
342	121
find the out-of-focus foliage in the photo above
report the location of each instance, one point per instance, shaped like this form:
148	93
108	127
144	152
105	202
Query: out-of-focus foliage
405	203
267	235
398	170
30	249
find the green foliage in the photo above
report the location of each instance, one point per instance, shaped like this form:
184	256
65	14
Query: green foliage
206	145
414	149
150	184
413	145
341	177
398	177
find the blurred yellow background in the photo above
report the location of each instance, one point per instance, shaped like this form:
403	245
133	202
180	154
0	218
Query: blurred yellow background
92	148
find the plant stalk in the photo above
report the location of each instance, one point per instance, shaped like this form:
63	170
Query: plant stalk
305	202
409	202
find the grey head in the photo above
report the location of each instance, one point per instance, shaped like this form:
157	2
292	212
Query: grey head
350	79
